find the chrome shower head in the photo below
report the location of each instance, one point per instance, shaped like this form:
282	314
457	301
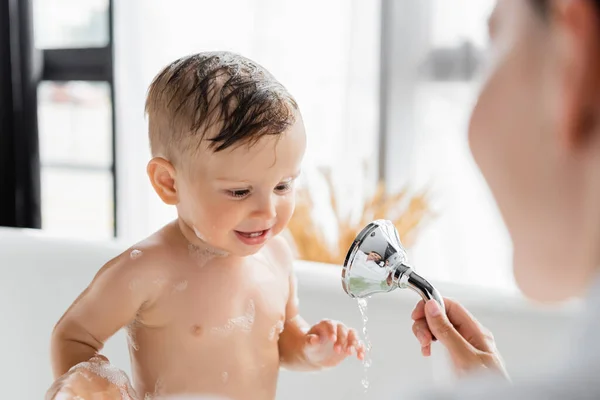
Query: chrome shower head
376	263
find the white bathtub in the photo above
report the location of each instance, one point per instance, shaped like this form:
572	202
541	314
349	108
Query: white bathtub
42	275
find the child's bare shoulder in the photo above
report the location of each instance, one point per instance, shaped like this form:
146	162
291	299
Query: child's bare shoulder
139	267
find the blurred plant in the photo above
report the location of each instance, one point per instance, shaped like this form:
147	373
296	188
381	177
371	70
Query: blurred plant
306	230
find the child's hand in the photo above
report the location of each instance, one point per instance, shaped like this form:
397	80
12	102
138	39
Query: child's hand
94	379
329	342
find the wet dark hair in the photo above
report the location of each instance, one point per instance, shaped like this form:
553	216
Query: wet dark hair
221	97
542	5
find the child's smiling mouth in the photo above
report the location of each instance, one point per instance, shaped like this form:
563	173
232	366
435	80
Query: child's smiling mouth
253	238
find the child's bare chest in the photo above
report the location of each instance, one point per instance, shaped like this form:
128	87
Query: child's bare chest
217	303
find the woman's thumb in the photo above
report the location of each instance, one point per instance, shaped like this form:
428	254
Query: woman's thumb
444	331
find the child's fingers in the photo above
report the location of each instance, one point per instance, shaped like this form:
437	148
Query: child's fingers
325	330
353	338
342	338
360	353
312	339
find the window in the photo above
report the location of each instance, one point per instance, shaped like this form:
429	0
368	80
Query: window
71	23
76	157
427	126
75	117
326	53
384	86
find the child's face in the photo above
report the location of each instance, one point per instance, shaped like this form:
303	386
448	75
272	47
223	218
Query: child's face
236	199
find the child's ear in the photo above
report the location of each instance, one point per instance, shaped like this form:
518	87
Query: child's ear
162	176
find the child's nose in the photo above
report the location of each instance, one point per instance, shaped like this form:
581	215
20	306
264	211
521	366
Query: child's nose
266	208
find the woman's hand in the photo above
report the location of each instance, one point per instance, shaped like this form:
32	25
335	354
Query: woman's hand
471	346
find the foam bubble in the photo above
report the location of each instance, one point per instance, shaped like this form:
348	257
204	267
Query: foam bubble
205	253
111	373
130	329
160	282
243	323
181	286
318	353
198	234
276	330
157	391
158	387
135	254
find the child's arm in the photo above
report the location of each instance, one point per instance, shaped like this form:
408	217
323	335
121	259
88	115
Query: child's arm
306	348
110	302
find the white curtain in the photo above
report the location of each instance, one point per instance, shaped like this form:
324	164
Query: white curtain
325	52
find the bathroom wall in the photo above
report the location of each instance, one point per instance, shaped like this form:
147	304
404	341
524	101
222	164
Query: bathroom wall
40	276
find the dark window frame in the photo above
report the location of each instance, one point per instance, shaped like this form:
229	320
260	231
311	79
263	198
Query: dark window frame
22	68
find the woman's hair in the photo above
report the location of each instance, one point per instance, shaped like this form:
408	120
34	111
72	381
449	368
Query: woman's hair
542	5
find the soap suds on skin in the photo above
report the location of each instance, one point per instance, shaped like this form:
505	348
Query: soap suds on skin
205	251
109	372
243	323
204	254
316	354
157	391
135	254
276	330
131	330
160	282
181	286
199	235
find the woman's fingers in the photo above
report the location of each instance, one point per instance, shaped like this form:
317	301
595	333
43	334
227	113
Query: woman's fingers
419	311
443	329
470	345
468	326
422	332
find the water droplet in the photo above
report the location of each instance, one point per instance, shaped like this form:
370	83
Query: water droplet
365	382
135	254
363	307
225	377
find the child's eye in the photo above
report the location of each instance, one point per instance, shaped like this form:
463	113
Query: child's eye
239	194
283	187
